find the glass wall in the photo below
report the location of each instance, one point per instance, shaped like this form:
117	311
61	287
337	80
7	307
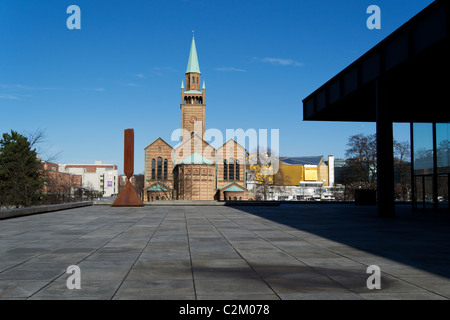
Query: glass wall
430	164
423	163
442	153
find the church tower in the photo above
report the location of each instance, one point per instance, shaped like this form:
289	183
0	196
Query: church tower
193	98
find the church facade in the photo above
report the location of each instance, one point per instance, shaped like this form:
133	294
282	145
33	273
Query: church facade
194	170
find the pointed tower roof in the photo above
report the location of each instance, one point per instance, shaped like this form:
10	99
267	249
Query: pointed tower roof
193	60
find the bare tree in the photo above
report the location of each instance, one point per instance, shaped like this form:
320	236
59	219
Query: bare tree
139	184
38	141
362	154
265	167
402	162
361	165
57	187
280	181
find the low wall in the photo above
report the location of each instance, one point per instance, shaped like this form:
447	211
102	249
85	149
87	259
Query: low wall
199	203
20	212
210	203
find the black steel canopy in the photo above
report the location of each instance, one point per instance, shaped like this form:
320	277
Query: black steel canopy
404	78
412	63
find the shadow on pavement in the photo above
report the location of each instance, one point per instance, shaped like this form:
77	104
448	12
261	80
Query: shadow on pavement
420	239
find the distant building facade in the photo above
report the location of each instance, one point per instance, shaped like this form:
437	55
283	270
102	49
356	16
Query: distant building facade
98	177
298	178
60	186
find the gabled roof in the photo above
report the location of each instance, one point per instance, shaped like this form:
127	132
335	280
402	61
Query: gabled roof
226	185
196	158
157	187
233	141
193	60
157	140
189	139
232	186
160	186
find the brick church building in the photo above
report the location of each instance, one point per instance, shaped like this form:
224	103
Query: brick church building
194	170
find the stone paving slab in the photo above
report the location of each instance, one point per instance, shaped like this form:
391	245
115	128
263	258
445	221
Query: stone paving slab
288	252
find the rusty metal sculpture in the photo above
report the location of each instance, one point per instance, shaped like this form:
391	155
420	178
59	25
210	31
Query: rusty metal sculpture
128	196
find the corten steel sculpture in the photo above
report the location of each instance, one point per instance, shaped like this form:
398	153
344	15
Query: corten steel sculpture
128	196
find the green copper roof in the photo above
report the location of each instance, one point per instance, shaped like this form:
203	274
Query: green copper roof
234	188
225	185
193	60
230	186
157	188
196	158
194	91
160	186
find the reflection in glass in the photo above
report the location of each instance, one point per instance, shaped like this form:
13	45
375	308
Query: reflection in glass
442	137
442	153
431	184
423	148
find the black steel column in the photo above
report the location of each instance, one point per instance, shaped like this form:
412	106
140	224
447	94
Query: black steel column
413	178
385	155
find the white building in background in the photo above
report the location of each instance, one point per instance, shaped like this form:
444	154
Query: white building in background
309	178
301	193
97	177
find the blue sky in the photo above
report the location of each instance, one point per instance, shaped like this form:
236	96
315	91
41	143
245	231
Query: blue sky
124	69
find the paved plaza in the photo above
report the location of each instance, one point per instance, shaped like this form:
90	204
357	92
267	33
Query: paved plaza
222	252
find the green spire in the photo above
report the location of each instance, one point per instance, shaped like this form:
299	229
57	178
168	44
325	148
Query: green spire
193	60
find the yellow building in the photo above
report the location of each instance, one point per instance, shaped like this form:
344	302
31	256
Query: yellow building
293	174
296	171
293	171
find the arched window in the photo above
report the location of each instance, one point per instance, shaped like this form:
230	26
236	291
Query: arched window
157	197
153	169
165	169
193	80
237	169
235	198
159	169
225	170
231	169
162	198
